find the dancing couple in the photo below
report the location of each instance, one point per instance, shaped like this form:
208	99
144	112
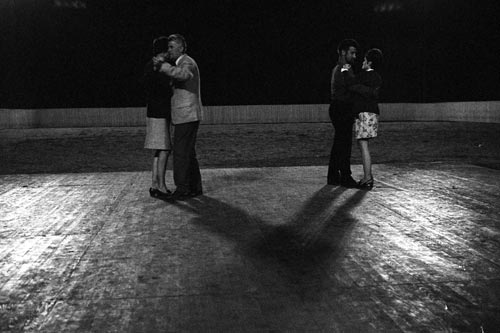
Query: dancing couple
354	100
172	84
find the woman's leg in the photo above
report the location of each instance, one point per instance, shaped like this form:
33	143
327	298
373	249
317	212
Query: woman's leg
366	158
162	168
154	169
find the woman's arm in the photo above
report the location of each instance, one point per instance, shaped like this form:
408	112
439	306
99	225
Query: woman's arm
367	88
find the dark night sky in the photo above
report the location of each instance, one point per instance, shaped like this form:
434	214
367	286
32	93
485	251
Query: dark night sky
249	52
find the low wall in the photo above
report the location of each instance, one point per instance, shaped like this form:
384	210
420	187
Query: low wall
484	112
488	112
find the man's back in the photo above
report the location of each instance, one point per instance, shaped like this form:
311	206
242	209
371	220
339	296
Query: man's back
186	101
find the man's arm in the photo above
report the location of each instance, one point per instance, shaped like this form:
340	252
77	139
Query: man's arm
183	72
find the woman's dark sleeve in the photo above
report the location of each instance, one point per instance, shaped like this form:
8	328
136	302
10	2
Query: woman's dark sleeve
367	88
147	78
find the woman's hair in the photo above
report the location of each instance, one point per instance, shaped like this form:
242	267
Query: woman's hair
375	56
160	45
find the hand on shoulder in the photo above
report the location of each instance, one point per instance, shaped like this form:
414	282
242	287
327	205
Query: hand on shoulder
346	67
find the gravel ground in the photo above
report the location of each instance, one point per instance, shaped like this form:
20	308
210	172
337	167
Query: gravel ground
252	145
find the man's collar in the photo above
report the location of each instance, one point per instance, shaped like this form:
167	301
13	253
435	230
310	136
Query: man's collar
178	59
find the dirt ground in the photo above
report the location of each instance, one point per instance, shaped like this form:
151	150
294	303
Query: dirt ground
252	145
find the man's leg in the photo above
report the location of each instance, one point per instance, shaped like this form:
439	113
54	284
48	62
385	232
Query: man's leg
195	186
345	142
333	176
184	142
346	134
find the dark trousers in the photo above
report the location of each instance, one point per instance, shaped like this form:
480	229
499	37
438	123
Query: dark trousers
187	175
340	156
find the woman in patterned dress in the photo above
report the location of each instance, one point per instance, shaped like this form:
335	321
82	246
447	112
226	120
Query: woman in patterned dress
365	88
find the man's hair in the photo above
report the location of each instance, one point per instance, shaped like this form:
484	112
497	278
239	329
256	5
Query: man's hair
160	45
375	56
346	44
178	39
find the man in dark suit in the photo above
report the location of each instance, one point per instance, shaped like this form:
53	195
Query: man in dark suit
340	111
186	117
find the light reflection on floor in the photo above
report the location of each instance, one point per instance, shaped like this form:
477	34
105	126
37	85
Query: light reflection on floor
263	249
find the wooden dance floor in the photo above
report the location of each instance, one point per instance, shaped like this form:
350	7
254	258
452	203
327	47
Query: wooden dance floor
264	249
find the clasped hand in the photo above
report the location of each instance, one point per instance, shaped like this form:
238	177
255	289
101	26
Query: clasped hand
158	61
345	68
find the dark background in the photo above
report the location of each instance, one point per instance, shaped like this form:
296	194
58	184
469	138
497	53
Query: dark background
90	53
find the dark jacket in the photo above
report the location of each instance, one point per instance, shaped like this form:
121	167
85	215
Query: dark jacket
158	92
338	86
365	88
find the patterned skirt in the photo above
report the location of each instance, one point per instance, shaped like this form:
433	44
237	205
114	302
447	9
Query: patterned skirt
366	125
157	134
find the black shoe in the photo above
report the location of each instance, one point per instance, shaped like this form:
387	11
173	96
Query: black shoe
348	182
195	193
366	185
164	194
156	193
180	196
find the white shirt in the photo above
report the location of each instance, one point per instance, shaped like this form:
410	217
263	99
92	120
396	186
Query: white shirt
178	60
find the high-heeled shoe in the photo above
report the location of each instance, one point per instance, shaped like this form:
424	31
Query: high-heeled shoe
366	185
156	193
163	194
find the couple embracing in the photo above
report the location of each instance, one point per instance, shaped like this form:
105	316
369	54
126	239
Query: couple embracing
172	85
354	99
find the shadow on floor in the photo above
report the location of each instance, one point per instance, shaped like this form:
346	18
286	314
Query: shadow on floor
300	250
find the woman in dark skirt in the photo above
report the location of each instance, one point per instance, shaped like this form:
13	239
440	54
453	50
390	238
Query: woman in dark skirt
158	121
